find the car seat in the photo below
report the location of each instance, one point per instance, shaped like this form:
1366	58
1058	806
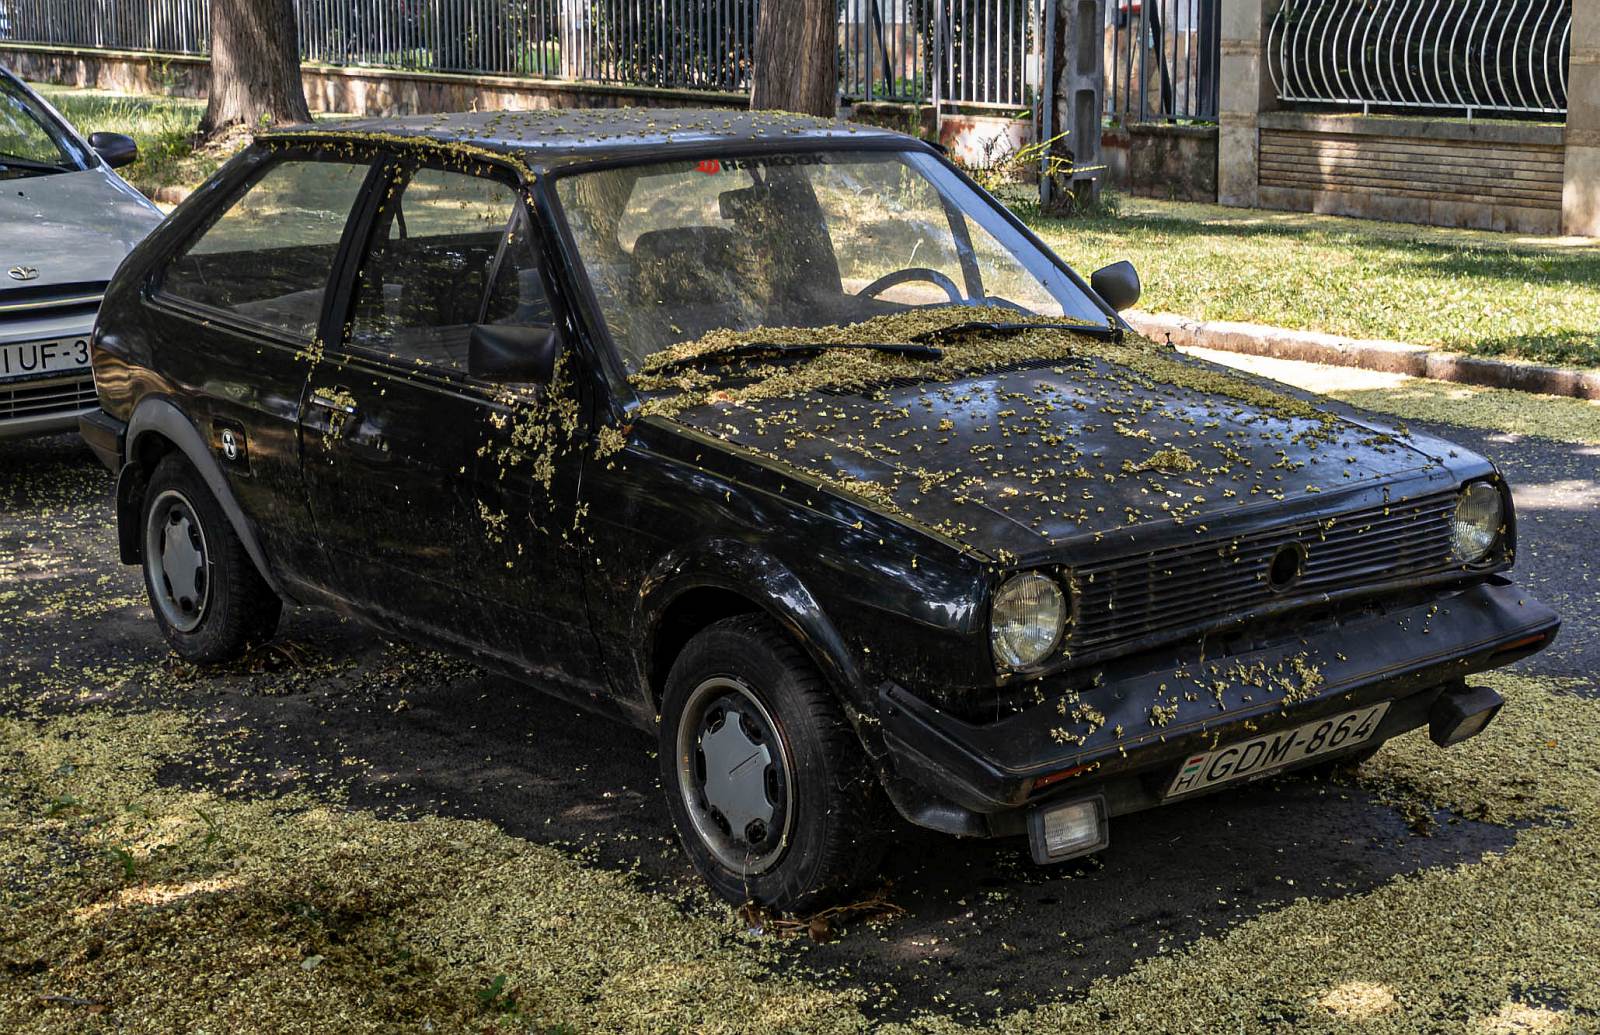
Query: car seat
692	279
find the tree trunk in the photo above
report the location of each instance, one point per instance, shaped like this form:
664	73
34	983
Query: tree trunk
797	57
255	66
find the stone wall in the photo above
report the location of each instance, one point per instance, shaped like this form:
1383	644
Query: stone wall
977	140
1443	172
1156	160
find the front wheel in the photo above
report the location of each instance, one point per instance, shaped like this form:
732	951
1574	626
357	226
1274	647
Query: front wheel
773	798
209	600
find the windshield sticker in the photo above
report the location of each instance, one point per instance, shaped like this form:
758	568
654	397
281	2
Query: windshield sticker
712	166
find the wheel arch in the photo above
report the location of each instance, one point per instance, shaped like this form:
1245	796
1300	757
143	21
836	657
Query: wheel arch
718	580
158	427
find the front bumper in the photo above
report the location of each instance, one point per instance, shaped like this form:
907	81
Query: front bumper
40	406
982	777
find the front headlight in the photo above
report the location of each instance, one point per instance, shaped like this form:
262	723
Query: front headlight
1027	619
1476	525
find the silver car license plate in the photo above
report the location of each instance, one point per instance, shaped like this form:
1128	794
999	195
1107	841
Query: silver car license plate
44	357
1263	754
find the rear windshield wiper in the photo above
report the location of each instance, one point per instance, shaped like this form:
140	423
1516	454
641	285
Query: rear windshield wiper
1105	332
915	349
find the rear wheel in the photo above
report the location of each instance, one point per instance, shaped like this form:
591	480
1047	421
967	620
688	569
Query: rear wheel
209	600
773	798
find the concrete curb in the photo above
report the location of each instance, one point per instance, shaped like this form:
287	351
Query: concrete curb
1390	357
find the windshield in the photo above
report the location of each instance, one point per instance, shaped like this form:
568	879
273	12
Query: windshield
677	250
30	140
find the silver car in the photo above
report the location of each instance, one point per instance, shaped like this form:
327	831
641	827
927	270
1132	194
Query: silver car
66	221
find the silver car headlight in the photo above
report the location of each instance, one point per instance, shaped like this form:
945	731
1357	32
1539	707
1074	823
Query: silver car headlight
1027	619
1476	525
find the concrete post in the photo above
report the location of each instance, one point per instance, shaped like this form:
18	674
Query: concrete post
1077	59
1580	200
1245	90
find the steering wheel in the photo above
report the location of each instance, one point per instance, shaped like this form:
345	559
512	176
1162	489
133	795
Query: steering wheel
889	280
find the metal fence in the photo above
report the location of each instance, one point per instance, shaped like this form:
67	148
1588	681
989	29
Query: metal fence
1506	57
165	26
693	44
977	52
983	53
1162	60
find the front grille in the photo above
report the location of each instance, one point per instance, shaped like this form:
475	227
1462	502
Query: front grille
53	300
31	399
1186	586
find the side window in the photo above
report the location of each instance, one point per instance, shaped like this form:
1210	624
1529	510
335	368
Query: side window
267	258
452	250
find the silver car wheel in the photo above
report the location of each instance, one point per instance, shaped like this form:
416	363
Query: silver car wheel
735	776
177	561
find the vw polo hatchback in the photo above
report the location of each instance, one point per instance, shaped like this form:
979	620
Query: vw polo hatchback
780	439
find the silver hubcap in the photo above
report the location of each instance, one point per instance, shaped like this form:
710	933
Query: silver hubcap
735	775
175	556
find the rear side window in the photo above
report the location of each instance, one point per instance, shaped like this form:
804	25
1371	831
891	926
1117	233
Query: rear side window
268	257
452	250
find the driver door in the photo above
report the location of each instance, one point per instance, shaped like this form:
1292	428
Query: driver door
426	524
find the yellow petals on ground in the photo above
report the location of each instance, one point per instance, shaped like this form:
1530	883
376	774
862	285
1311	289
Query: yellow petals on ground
298	914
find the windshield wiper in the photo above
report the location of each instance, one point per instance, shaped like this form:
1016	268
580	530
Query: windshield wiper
7	163
16	162
914	349
1105	332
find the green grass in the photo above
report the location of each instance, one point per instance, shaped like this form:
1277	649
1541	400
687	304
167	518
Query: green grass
1475	293
163	127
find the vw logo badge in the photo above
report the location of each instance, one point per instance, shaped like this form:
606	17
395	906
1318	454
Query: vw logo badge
23	273
230	445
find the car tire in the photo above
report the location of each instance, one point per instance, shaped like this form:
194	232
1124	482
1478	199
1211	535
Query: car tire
208	598
812	827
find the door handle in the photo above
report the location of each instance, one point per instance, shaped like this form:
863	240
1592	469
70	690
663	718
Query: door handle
335	400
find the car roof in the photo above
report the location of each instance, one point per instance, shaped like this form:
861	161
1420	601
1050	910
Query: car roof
562	136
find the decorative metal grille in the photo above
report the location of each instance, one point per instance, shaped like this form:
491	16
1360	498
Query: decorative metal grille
976	52
1507	57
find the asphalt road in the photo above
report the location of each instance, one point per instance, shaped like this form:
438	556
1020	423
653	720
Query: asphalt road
405	731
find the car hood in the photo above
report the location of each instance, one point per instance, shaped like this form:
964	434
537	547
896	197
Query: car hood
72	227
1016	463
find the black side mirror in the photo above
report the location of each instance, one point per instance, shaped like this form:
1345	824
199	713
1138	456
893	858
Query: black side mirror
514	353
115	149
1118	284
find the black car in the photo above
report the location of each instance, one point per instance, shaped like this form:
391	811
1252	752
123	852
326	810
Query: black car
780	437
